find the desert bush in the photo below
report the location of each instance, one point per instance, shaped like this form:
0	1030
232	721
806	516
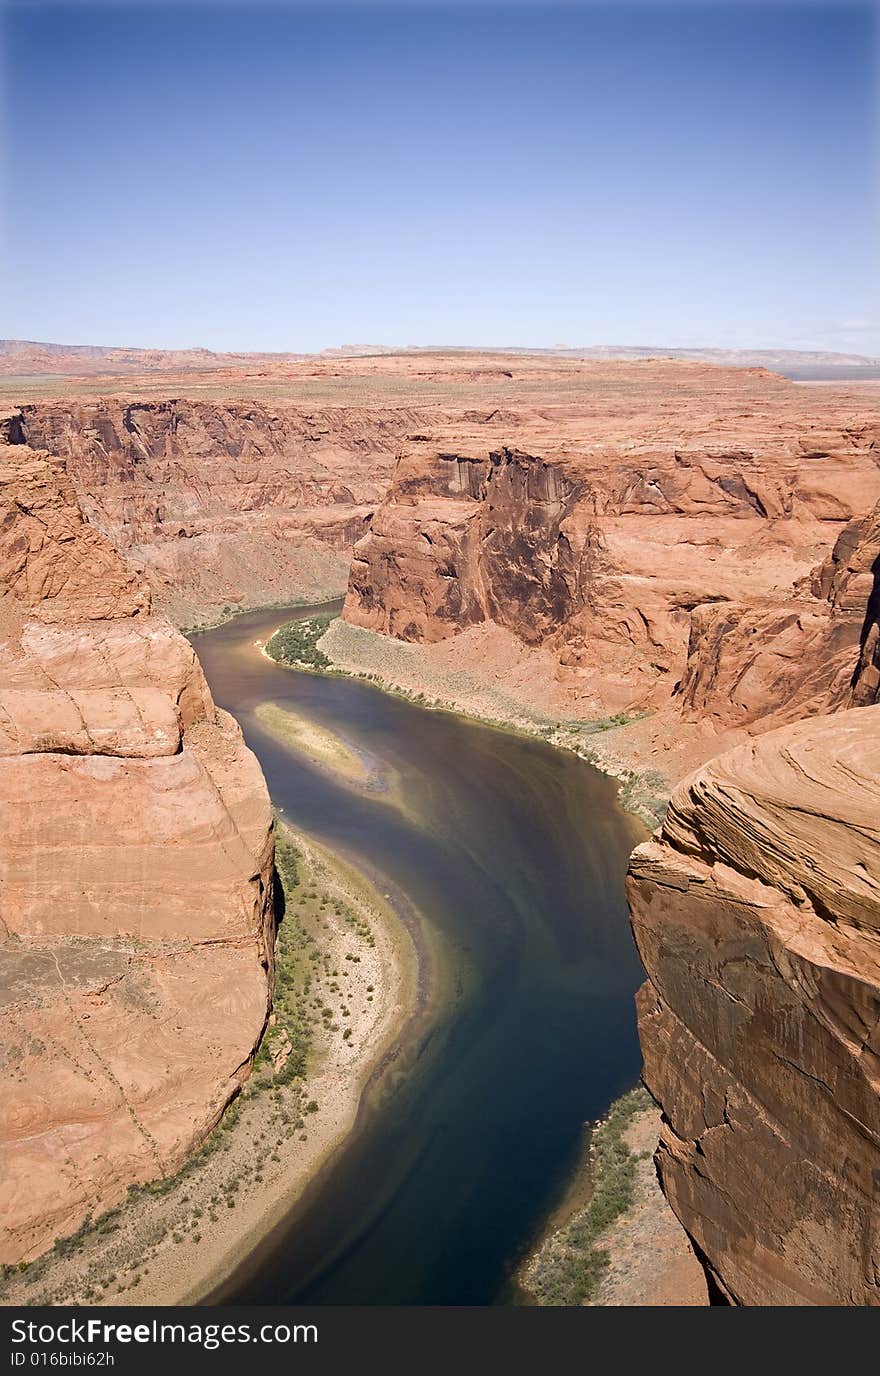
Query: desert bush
569	1268
297	643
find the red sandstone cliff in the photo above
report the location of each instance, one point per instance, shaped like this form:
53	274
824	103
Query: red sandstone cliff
756	910
233	502
665	546
136	924
720	566
692	540
810	651
863	549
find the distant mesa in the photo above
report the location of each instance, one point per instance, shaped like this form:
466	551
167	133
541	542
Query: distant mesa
28	357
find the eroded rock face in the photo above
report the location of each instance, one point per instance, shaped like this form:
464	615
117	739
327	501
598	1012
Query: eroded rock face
756	910
621	515
862	587
809	653
232	502
692	540
136	861
665	543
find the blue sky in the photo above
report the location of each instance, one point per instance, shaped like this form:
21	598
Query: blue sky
287	176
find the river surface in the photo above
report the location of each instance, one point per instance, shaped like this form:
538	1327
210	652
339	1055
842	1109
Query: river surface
514	856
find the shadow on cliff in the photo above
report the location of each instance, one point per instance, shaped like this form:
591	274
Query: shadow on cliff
279	902
871	623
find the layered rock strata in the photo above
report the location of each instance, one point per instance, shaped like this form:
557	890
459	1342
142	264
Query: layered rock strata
236	503
813	651
634	553
756	910
696	541
136	862
590	507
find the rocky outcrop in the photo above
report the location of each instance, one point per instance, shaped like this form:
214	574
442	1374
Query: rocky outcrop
756	910
664	552
810	653
235	503
136	861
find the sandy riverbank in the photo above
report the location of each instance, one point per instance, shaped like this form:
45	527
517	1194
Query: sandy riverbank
614	1241
650	1259
495	679
322	748
352	982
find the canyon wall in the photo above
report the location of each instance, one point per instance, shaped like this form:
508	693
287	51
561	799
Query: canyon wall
792	657
865	557
679	560
620	516
756	911
722	570
233	503
136	863
695	543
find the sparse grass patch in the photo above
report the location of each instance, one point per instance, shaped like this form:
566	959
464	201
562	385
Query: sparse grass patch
569	1267
599	724
645	794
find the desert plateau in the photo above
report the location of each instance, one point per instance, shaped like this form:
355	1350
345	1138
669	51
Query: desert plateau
649	567
439	678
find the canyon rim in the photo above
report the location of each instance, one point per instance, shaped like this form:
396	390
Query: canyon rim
440	773
666	564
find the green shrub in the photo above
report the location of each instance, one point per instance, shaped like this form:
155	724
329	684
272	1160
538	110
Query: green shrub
297	643
569	1269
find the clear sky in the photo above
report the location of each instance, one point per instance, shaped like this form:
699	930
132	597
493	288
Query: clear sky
286	176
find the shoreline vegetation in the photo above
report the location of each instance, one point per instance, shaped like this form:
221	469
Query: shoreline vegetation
296	643
614	1241
568	1264
347	983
